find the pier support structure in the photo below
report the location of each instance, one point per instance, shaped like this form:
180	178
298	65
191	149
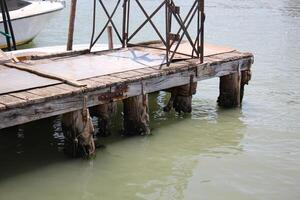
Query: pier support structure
232	89
104	112
136	117
78	130
181	98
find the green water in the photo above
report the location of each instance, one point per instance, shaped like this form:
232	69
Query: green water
247	153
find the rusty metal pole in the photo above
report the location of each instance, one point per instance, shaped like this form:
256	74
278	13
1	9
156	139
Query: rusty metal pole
71	25
202	32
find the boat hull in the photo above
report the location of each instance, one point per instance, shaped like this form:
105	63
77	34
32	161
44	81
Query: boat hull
26	28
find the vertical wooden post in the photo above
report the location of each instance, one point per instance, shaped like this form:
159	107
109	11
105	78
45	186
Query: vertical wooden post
230	90
71	25
78	130
181	98
136	117
104	112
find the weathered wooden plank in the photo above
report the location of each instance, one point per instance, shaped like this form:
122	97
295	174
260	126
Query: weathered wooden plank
168	81
42	94
9	101
28	97
217	70
227	57
128	75
2	107
91	84
108	80
34	112
69	88
147	70
50	92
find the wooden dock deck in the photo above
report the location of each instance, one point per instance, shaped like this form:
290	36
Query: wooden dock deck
104	77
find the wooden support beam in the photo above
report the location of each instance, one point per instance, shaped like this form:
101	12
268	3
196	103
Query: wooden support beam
230	90
136	117
181	98
104	113
78	130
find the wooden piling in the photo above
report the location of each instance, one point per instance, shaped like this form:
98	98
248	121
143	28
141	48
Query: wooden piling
181	98
104	113
78	130
136	117
230	90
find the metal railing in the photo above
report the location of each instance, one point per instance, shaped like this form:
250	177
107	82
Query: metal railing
8	29
171	41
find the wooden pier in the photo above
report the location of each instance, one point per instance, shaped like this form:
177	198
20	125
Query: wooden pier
72	84
130	75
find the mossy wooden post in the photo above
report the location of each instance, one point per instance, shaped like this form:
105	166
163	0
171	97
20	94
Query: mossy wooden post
230	90
181	98
136	117
78	131
104	112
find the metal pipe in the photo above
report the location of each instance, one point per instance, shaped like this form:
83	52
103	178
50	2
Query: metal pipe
10	27
5	25
94	25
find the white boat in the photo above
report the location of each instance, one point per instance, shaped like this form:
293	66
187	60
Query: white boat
28	18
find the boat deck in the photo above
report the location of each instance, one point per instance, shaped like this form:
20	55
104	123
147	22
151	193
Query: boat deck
50	85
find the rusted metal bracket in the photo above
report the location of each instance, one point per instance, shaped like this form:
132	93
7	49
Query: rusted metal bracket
174	37
175	9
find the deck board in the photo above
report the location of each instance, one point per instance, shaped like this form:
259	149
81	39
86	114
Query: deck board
25	95
10	101
2	106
